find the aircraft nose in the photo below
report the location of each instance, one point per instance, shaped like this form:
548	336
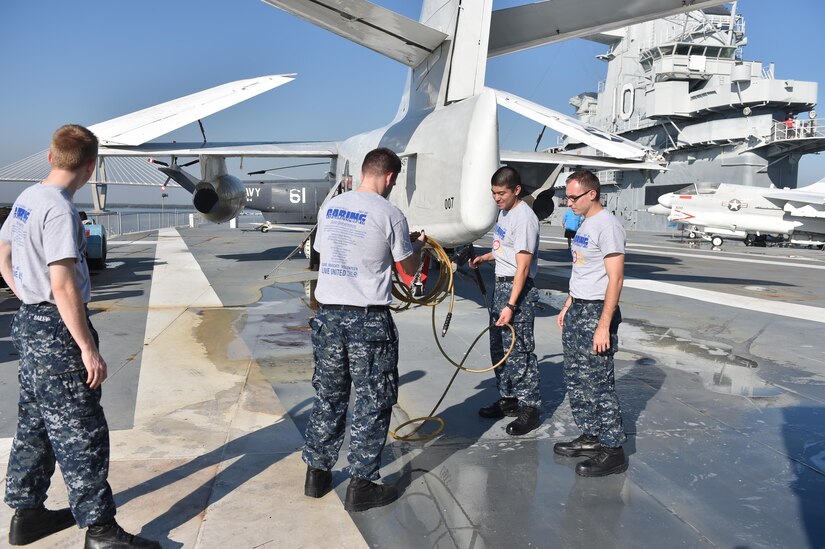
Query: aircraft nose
666	200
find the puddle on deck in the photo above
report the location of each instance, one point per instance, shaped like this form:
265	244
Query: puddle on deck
720	369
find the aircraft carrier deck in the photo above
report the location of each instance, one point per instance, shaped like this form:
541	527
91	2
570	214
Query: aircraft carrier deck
721	375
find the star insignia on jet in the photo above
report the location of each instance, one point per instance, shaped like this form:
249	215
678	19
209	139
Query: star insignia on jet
735	205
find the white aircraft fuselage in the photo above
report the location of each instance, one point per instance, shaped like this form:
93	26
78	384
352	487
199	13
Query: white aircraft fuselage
736	211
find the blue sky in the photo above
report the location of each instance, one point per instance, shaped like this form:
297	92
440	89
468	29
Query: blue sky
92	60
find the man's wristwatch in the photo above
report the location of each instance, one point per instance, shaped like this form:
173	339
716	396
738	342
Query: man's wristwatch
511	307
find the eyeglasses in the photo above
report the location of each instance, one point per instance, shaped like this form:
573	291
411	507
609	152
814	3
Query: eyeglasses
574	198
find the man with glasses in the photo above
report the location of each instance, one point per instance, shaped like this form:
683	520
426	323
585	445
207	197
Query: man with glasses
515	245
589	321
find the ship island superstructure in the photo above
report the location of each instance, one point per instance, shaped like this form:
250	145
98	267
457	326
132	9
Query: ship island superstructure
681	87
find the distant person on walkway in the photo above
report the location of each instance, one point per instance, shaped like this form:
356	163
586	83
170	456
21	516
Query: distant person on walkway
571	225
354	339
515	249
42	257
589	321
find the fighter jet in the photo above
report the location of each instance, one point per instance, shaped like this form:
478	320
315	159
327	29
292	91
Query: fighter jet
743	212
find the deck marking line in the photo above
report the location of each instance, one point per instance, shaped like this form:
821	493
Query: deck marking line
781	308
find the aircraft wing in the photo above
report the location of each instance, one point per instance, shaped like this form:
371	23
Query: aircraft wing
531	25
141	126
312	149
803	202
611	145
526	158
365	23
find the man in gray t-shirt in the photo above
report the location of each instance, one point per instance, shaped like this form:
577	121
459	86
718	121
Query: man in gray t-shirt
42	247
515	249
354	339
589	321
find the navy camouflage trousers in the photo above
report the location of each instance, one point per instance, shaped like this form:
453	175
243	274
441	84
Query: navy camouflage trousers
59	418
589	376
518	377
358	348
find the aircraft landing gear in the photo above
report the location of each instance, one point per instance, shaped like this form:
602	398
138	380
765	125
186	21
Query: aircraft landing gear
758	241
716	241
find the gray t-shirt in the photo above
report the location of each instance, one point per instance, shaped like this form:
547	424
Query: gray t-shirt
359	236
517	230
598	236
44	227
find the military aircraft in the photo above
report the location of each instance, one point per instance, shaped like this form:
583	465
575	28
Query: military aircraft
446	127
748	213
296	201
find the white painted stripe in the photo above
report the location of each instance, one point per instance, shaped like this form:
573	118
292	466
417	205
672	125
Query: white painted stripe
177	284
736	259
781	308
725	257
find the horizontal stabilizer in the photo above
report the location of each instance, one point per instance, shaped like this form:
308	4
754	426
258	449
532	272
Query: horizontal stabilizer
141	126
574	160
311	149
365	23
531	25
611	145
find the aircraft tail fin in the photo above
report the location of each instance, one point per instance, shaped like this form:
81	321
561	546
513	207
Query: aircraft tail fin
137	128
365	23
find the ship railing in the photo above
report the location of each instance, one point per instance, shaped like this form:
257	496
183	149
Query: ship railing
121	223
797	129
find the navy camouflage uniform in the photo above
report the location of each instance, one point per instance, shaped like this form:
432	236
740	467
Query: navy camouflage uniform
589	376
352	345
518	377
59	419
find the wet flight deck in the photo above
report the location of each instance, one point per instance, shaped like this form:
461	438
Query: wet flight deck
721	376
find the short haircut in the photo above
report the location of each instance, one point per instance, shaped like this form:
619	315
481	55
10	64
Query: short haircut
72	147
506	177
380	162
587	180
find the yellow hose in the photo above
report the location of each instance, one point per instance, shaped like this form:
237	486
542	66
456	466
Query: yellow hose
441	289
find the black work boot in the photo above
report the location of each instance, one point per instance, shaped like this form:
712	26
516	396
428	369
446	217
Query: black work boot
527	420
112	536
500	408
318	482
363	494
607	462
585	445
30	525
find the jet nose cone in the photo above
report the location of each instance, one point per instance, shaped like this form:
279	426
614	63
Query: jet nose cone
666	200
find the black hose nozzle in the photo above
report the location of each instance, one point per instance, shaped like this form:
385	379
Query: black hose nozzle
446	324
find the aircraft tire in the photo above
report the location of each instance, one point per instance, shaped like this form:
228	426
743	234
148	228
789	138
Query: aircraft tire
264	229
691	234
716	241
